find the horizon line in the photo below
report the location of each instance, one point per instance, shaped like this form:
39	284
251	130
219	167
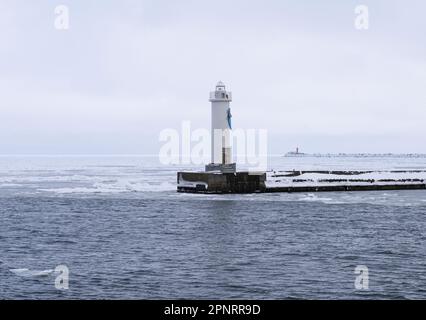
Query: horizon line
186	155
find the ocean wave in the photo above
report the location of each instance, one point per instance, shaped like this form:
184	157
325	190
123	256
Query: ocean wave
8	185
118	187
329	198
313	197
62	178
24	272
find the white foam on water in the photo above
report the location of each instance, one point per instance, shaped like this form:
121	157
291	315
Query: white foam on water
314	197
120	186
24	272
150	187
7	185
395	198
62	178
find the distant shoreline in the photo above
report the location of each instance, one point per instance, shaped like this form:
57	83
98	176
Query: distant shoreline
356	155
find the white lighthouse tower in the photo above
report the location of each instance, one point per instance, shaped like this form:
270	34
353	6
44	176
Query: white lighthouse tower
221	131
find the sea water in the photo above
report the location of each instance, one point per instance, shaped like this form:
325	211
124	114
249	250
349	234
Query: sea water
119	226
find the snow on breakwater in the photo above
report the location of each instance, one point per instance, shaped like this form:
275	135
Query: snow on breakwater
331	178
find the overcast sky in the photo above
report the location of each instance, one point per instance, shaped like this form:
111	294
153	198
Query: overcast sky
125	70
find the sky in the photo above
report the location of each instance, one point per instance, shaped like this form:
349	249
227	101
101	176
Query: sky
126	70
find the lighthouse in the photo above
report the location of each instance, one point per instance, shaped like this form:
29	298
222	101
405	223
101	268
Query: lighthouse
221	176
221	130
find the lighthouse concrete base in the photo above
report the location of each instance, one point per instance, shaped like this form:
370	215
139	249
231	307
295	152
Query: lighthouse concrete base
217	182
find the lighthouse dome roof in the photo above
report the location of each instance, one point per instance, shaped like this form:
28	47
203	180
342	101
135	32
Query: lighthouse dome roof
220	84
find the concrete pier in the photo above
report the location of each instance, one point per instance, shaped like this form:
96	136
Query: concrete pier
334	188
